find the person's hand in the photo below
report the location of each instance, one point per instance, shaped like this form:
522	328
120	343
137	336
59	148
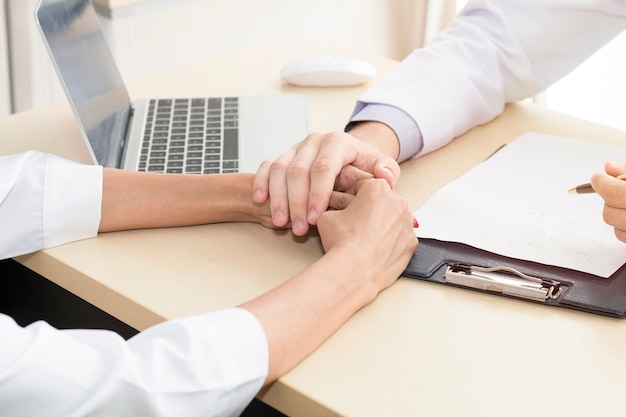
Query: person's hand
376	230
263	215
613	191
301	181
368	245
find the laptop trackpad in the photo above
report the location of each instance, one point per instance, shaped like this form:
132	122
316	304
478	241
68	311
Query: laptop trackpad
266	132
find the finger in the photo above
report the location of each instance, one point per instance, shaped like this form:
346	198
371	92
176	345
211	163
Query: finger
339	201
338	150
332	157
279	202
298	184
411	217
369	159
611	189
348	177
388	173
615	217
373	185
614	169
339	161
260	184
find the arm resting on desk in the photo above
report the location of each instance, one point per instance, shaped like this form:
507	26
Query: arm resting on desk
360	261
194	365
134	200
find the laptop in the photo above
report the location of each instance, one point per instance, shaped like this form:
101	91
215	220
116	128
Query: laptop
170	135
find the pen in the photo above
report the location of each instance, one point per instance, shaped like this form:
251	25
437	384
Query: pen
587	188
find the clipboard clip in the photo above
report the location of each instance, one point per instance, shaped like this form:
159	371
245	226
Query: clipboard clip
503	280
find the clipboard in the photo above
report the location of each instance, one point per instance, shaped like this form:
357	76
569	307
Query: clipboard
464	266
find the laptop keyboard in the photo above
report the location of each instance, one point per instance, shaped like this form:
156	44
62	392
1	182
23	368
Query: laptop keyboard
197	135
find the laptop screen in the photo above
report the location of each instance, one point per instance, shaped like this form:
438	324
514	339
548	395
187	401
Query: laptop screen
88	74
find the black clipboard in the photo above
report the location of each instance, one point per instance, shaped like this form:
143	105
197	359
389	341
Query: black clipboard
465	266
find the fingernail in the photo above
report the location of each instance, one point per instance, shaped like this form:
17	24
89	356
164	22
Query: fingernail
393	178
312	216
415	223
278	217
258	195
299	226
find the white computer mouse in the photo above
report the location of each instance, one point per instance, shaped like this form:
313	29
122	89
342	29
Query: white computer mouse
328	71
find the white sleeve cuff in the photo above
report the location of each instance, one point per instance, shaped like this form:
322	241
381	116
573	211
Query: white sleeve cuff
72	201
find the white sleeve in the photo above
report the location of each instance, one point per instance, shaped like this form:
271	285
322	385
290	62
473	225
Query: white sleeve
207	365
46	201
496	51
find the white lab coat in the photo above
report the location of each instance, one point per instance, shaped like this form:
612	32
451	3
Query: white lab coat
496	51
207	365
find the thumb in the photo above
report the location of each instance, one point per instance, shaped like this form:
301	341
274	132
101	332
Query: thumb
339	200
387	173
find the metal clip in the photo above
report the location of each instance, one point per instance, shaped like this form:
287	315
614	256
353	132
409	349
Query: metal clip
503	280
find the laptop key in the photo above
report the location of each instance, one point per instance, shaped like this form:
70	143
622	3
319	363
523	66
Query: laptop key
230	165
231	144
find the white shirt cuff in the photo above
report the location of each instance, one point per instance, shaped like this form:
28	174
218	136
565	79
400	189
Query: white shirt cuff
72	201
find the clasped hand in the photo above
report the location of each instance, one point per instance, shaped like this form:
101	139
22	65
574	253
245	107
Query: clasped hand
301	181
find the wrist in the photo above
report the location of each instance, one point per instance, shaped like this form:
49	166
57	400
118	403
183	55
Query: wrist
378	135
353	273
240	205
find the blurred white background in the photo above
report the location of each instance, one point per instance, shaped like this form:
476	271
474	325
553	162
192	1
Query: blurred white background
150	36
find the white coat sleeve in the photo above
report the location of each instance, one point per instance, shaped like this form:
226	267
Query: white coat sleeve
201	366
496	51
46	201
207	365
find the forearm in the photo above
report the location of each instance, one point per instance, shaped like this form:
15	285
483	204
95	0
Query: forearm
299	315
133	200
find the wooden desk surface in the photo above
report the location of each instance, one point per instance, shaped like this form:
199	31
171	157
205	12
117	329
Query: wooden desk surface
419	349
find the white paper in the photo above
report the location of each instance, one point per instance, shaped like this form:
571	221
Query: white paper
516	204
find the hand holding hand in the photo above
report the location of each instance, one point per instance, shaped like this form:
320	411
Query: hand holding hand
301	181
376	228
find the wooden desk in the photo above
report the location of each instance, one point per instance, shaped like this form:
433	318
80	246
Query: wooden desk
420	349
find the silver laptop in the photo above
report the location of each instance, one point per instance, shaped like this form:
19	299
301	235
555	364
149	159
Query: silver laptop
176	135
